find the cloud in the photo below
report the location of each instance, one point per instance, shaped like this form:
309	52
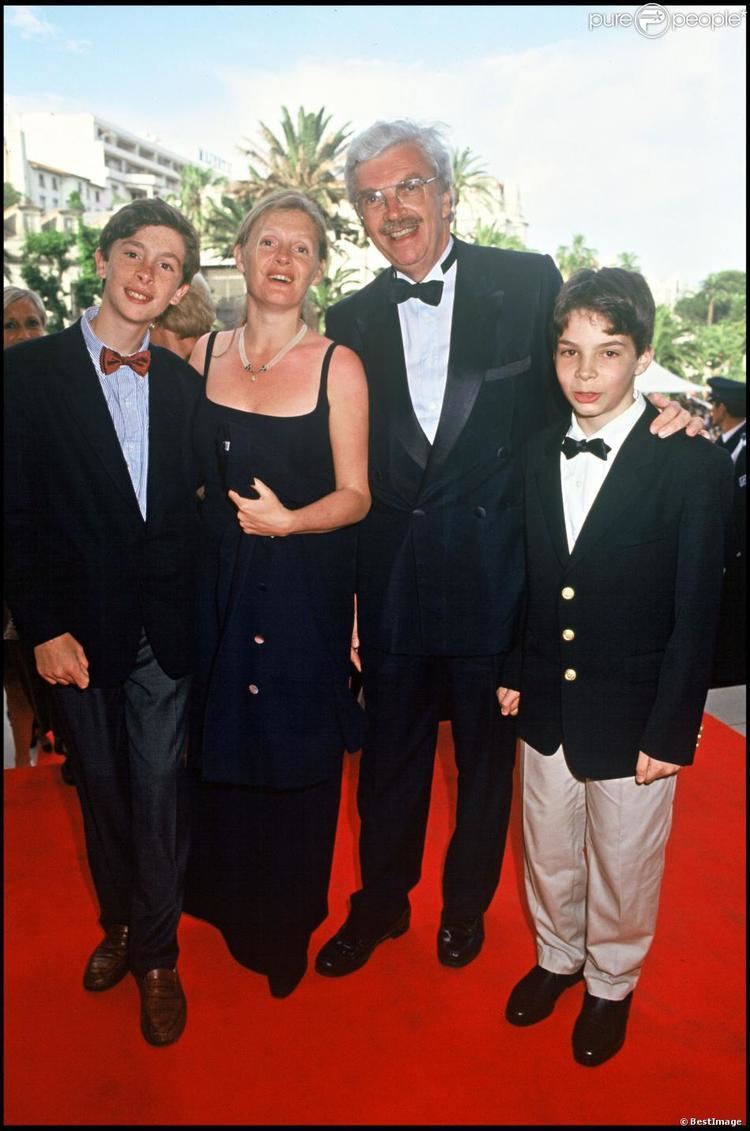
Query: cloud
23	18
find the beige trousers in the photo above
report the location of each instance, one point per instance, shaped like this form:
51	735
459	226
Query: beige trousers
594	860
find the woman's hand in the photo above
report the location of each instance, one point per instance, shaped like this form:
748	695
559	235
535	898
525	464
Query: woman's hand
264	515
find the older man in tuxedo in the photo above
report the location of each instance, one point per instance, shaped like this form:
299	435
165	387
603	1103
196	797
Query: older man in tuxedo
455	343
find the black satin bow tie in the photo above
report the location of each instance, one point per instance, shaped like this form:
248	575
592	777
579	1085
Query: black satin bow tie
571	447
431	292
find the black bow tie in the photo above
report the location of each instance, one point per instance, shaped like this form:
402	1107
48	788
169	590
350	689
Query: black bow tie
571	447
431	293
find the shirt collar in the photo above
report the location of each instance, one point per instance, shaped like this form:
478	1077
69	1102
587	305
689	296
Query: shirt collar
615	431
93	341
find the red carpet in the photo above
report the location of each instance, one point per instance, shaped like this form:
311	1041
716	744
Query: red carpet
403	1041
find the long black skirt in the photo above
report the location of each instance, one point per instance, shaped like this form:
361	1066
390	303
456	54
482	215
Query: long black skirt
259	869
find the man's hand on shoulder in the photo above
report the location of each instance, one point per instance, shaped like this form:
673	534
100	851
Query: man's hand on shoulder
63	661
673	418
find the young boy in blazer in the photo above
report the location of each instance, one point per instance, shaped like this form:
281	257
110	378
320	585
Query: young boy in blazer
625	545
100	522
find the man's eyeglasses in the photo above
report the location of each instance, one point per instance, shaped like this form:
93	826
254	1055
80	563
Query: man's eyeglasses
372	201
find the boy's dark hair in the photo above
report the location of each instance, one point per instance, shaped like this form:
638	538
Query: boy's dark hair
622	297
152	212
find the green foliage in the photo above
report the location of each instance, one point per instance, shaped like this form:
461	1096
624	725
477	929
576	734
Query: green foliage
489	235
222	221
722	296
470	179
45	259
75	202
628	260
330	289
722	347
191	198
11	195
306	158
576	257
674	344
87	287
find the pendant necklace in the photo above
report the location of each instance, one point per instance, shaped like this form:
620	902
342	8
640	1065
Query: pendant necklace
248	365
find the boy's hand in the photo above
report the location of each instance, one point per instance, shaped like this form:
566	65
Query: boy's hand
649	769
508	700
673	418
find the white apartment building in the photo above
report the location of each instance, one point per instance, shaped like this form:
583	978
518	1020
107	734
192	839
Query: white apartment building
47	157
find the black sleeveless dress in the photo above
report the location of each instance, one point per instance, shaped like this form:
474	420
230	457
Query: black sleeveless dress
272	712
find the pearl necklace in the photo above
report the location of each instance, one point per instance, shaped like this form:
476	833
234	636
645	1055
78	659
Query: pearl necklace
248	365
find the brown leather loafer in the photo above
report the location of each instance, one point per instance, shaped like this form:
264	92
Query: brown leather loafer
109	962
163	1006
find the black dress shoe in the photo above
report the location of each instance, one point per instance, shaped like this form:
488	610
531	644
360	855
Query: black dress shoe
459	941
108	964
286	976
599	1031
349	949
535	996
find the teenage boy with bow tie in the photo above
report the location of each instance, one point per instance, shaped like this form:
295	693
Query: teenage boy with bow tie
624	556
100	506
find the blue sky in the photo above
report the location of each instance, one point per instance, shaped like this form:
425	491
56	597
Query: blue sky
637	143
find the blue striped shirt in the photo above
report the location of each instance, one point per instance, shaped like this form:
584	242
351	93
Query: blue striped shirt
126	395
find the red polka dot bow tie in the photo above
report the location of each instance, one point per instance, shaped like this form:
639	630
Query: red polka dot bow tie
110	360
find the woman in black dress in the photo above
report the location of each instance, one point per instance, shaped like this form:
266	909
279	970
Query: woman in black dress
283	438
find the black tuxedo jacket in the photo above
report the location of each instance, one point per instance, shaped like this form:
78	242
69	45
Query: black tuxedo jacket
640	594
440	553
79	556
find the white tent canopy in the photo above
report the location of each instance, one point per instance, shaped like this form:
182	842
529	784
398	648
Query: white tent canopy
657	379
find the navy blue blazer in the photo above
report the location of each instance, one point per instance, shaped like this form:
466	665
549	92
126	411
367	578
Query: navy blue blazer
619	635
79	556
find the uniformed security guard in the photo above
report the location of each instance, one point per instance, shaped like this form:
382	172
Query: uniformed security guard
728	415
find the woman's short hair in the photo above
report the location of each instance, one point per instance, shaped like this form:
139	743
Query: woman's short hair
286	200
384	135
15	294
194	315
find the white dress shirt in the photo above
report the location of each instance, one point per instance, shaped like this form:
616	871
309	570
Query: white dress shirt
426	336
582	476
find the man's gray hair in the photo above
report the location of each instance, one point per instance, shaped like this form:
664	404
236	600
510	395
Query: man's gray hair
383	135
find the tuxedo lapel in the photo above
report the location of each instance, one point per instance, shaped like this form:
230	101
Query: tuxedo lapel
550	494
82	399
476	314
623	483
384	355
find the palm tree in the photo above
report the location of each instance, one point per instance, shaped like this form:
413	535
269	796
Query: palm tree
489	235
628	260
576	257
306	158
331	288
190	198
468	180
673	343
222	220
